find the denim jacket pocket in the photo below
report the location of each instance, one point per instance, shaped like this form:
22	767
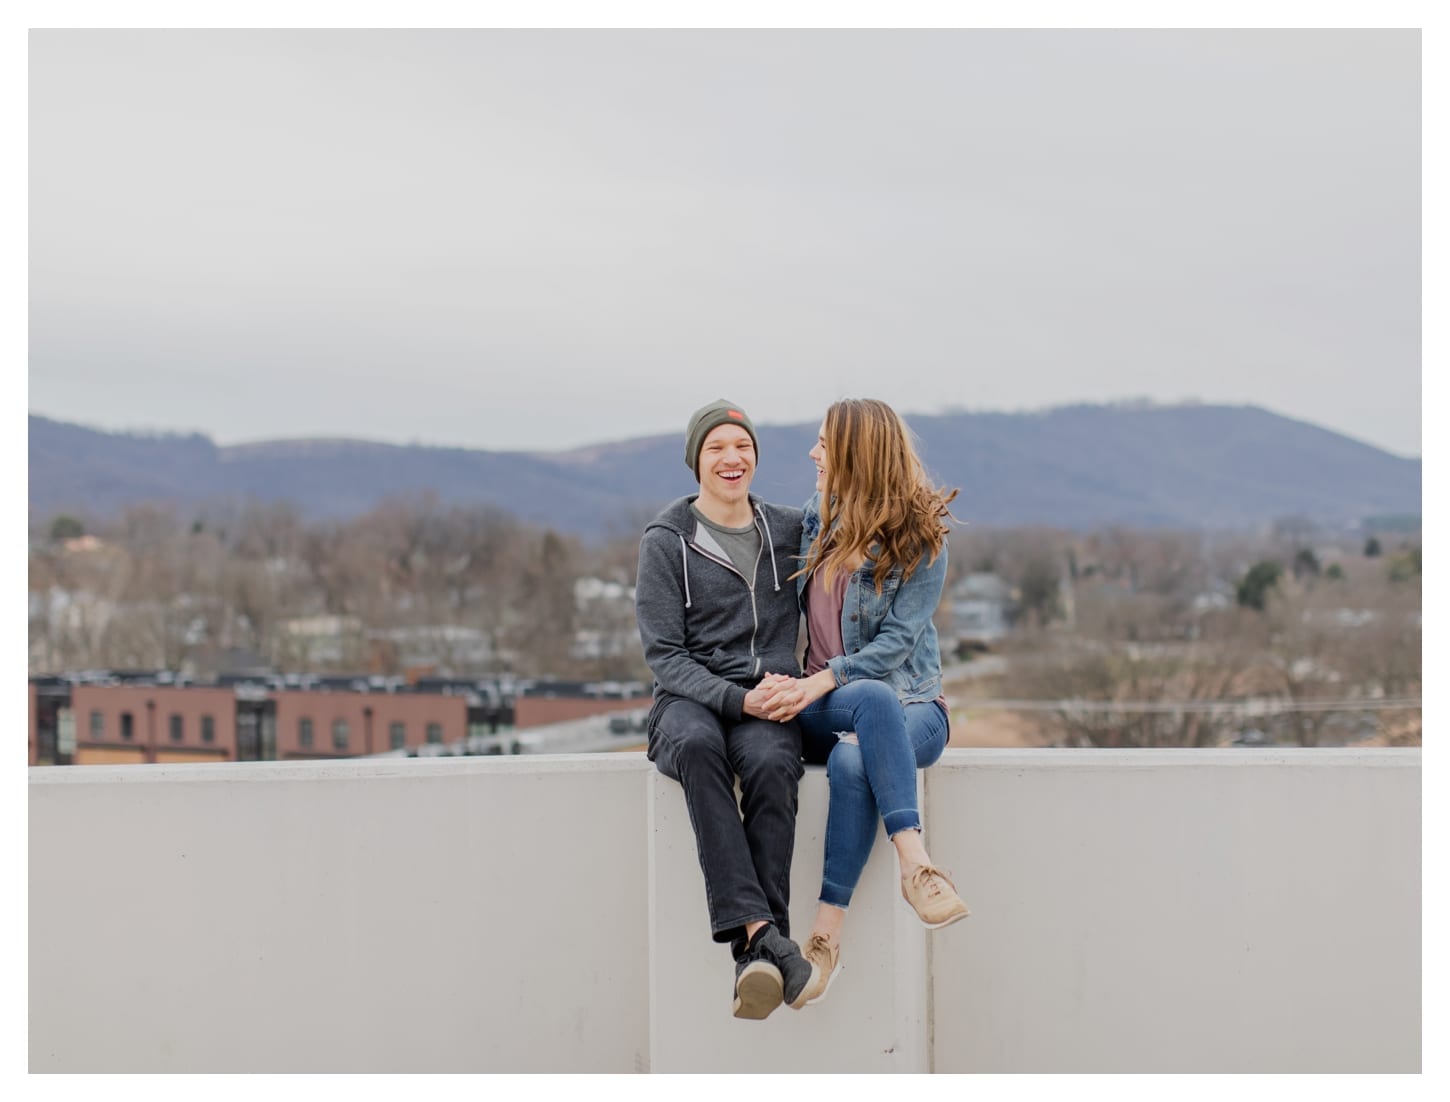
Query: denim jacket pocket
876	605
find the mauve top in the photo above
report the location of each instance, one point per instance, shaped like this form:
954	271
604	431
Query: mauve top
823	620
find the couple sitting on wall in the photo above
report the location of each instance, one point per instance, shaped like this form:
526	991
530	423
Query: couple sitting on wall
723	581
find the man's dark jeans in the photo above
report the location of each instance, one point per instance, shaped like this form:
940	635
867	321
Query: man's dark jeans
746	863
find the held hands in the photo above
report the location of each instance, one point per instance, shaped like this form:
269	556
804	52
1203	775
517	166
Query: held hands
761	701
781	698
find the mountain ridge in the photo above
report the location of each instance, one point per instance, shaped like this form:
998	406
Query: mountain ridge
1080	466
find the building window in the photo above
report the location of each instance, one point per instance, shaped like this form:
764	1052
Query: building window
177	730
208	729
397	736
98	725
304	733
128	726
435	732
339	734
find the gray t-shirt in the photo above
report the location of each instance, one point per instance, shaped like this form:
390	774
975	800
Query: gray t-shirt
741	545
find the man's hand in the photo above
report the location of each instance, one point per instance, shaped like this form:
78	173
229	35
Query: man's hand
755	702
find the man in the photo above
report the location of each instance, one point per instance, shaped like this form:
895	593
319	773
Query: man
716	614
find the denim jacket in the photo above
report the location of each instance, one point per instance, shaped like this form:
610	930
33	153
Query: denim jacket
890	637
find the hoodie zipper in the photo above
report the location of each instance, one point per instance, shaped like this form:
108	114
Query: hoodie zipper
749	585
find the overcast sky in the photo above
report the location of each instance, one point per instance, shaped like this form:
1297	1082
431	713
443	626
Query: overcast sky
533	240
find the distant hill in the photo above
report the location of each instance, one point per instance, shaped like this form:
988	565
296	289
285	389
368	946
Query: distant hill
1196	466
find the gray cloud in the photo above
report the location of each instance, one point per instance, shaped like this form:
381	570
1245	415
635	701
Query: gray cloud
537	239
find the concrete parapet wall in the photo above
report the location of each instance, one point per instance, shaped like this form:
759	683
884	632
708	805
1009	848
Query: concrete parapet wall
873	1019
1179	911
450	915
1224	910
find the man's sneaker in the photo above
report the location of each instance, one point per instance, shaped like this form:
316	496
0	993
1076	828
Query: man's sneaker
758	986
827	959
796	973
933	896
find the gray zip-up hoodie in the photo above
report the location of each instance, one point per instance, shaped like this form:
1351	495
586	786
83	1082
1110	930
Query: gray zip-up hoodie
710	634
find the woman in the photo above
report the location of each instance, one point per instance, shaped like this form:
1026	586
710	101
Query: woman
870	705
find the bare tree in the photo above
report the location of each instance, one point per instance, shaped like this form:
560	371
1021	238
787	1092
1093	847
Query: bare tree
1085	681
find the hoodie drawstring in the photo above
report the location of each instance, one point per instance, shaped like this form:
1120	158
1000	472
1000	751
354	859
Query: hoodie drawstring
685	566
769	543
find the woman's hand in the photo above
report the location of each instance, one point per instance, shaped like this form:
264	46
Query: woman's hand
786	696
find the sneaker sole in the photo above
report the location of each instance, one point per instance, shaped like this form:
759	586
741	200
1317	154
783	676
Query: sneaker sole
946	921
758	991
836	971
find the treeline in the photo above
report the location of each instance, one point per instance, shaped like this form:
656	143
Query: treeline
1171	638
1117	616
159	588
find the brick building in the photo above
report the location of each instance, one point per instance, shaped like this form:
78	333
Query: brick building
124	724
136	717
347	724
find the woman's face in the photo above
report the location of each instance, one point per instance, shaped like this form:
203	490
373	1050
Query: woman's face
818	455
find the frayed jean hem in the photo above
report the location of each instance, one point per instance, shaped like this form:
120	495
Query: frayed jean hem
897	821
834	895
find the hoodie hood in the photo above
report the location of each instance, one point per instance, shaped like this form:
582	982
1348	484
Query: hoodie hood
680	520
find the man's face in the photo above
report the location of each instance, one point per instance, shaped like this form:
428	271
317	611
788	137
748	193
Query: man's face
727	464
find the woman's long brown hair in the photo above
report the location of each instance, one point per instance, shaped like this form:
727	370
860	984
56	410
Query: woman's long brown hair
877	495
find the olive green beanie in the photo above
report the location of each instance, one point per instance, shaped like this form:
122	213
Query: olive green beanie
705	420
